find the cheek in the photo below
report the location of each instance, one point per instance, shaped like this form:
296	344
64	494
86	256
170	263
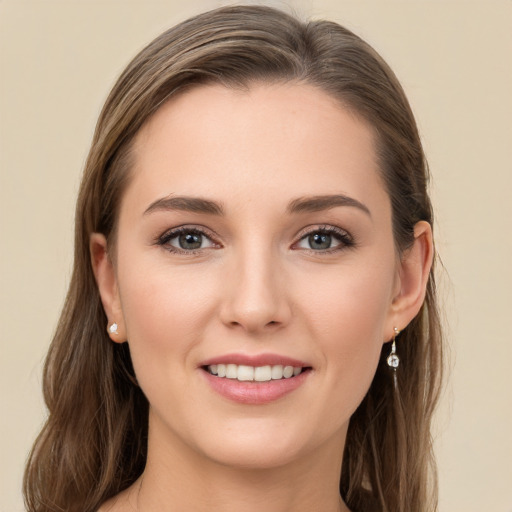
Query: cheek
165	309
350	300
349	320
163	327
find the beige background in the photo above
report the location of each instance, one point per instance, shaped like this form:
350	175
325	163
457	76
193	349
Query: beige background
58	60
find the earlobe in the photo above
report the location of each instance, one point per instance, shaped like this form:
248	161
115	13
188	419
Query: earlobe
106	280
415	266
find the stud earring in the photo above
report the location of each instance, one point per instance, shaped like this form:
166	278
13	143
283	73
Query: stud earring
393	360
112	328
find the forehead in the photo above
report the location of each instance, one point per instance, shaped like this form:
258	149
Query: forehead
281	140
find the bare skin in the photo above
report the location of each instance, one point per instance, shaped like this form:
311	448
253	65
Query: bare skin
280	243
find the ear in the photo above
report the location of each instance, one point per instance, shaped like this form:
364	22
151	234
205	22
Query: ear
106	279
414	270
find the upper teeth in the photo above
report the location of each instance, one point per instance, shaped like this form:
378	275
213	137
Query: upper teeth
254	373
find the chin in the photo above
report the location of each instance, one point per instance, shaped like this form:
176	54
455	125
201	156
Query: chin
254	455
264	444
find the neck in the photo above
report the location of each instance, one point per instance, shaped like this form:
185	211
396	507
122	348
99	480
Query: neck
177	479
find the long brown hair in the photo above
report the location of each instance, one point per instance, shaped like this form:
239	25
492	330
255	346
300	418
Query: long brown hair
93	444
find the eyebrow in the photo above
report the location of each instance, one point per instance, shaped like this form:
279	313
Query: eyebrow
186	204
300	205
319	203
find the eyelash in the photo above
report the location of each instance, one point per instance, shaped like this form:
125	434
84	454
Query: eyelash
345	240
163	240
343	237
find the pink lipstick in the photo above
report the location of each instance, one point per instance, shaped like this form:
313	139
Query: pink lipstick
258	379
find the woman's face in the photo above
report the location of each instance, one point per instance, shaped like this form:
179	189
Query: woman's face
255	235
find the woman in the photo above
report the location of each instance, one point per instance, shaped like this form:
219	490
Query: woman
251	320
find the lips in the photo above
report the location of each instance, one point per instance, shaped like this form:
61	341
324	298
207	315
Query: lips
254	379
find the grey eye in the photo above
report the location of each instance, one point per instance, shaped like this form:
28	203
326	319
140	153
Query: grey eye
319	241
187	240
190	241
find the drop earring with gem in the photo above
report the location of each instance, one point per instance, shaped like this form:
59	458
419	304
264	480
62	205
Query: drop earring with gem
393	360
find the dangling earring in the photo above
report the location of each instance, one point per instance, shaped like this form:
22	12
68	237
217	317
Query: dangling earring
112	328
393	360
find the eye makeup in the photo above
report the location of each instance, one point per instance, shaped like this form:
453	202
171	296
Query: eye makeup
189	240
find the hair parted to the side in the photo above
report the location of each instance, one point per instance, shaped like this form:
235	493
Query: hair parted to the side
93	444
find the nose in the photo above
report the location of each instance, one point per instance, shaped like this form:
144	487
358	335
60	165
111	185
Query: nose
255	294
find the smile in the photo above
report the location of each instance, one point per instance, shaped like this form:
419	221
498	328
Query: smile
245	373
255	379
